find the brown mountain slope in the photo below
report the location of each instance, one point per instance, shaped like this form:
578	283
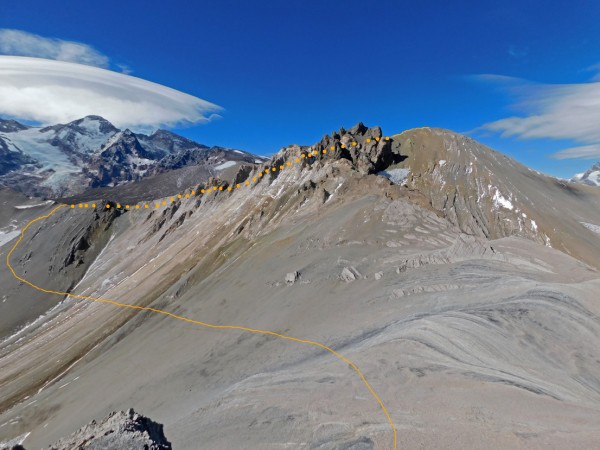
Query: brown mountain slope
488	194
465	339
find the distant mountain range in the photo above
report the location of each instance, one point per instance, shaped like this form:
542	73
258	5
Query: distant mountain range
590	177
68	159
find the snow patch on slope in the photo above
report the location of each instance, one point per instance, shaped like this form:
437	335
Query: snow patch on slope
594	177
33	206
225	165
396	176
590	177
16	441
6	237
501	201
89	136
591	227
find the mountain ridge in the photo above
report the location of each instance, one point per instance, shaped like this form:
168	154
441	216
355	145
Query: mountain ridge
591	177
433	282
65	159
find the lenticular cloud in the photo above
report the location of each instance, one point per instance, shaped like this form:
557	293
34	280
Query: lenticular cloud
49	92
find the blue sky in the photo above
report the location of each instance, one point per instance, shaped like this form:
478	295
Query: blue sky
289	72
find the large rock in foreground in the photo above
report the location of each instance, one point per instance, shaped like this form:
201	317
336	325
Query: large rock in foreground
125	430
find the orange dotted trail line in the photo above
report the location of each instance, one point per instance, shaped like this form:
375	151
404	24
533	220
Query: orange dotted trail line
192	192
195	322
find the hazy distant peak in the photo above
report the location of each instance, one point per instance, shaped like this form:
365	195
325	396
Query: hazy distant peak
9	126
590	177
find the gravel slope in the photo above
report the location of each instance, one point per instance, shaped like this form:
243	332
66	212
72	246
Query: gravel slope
467	338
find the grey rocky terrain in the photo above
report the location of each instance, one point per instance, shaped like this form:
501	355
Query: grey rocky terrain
463	284
122	430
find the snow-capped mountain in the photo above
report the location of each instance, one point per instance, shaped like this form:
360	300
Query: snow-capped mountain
8	126
590	177
67	159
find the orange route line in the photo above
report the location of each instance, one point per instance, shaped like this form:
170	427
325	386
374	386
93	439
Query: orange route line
195	322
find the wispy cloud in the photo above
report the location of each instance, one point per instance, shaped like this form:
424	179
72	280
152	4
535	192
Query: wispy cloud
595	69
518	51
568	111
49	92
22	43
582	152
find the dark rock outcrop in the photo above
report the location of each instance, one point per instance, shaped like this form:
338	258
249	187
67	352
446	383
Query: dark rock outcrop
367	148
10	125
123	430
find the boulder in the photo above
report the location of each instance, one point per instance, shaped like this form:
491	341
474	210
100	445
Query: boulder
350	274
292	277
125	430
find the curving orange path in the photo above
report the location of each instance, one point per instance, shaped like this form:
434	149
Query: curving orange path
195	322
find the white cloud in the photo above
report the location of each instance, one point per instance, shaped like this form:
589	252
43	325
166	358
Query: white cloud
50	92
570	111
567	111
583	152
22	43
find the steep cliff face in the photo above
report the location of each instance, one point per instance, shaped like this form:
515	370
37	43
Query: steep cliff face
57	252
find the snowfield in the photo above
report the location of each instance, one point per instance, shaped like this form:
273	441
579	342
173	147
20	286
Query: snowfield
396	176
34	142
6	237
501	201
225	165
